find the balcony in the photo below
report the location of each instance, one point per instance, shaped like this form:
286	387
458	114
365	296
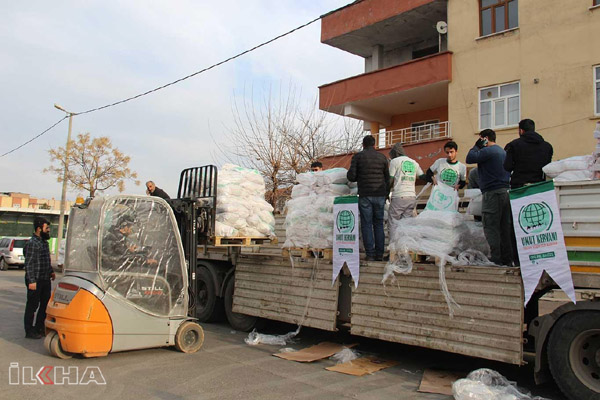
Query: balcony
412	86
420	134
424	143
392	24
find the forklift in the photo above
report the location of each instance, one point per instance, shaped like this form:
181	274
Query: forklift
126	284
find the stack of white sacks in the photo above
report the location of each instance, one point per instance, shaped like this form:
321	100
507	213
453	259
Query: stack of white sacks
578	168
309	220
241	206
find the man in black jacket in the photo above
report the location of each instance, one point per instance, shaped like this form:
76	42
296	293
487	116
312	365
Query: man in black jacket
527	155
156	191
370	170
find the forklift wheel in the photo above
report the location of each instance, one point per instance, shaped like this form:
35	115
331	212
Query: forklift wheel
52	344
189	337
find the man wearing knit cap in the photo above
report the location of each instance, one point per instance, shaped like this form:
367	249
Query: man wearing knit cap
403	173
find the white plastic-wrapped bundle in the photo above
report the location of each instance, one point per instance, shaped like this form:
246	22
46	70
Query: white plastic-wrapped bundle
241	206
487	384
309	220
578	168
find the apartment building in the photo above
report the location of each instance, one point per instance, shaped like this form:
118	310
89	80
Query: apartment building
445	69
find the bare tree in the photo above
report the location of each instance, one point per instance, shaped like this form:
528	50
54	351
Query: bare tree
93	165
280	136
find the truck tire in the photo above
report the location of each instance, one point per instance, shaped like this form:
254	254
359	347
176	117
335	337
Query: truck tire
208	306
574	354
239	322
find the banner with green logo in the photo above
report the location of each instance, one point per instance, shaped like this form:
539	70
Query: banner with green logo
540	240
345	236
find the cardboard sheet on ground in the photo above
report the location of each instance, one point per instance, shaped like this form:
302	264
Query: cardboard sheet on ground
362	366
436	381
314	353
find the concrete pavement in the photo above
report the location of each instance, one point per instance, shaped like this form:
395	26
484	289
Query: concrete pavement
227	368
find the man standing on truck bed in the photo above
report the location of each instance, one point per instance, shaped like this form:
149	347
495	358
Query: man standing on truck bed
527	155
493	182
447	170
370	170
403	173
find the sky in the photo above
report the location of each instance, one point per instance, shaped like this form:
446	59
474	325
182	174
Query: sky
85	54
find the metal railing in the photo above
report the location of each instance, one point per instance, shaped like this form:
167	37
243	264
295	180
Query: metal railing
418	134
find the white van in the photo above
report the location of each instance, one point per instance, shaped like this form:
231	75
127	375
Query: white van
11	252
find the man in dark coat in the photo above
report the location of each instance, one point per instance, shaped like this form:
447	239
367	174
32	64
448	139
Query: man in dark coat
370	170
155	191
38	274
527	155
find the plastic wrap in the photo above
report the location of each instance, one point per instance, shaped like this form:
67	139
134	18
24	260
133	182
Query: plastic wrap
241	206
345	355
487	384
254	338
309	220
140	257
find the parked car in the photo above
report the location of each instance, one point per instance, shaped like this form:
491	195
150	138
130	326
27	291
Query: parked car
11	252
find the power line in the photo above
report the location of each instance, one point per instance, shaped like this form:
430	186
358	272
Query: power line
170	83
201	71
35	137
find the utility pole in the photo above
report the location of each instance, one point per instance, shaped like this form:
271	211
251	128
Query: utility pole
61	221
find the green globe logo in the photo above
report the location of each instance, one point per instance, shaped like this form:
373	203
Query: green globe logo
345	221
408	167
441	200
535	217
449	176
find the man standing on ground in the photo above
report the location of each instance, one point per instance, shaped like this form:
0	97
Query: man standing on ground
370	170
527	155
403	173
494	182
448	170
155	191
38	274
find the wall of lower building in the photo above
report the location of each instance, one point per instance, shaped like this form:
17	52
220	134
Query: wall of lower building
405	120
555	44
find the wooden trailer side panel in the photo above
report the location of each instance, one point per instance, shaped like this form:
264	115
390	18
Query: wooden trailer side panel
269	287
488	324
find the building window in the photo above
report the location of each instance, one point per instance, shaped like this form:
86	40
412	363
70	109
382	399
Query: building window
597	2
497	16
500	106
597	89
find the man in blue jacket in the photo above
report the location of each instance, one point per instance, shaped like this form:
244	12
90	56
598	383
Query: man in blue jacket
370	170
494	184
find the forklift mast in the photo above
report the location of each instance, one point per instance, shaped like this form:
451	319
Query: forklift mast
195	211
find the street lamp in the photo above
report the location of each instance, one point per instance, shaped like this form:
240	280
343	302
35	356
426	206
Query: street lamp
61	221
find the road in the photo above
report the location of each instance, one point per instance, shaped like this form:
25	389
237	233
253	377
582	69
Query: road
227	368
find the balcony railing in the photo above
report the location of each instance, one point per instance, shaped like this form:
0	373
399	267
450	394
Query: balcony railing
418	134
